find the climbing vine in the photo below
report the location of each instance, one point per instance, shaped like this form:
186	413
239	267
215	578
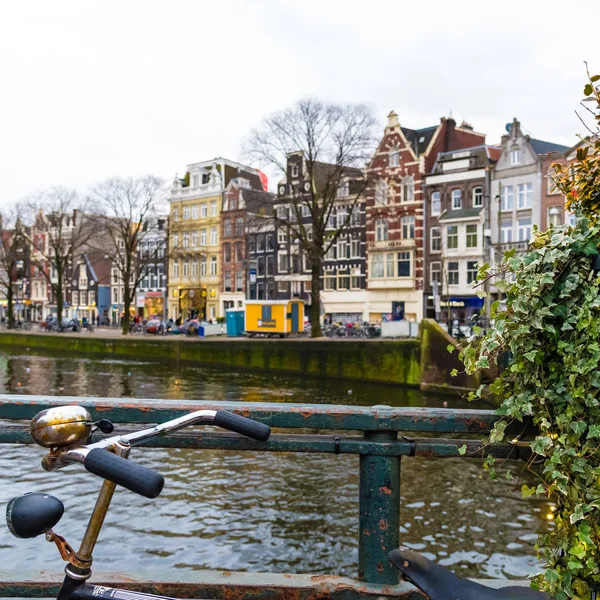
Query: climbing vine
549	321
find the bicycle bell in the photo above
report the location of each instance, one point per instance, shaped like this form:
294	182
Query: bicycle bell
61	426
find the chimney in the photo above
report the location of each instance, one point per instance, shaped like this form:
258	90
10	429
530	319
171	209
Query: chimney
393	120
465	125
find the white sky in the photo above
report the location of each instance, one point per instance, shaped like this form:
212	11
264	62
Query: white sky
91	89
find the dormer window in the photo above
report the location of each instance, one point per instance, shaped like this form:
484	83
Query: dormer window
515	157
294	171
195	180
205	177
394	157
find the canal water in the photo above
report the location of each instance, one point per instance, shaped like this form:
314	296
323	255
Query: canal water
260	511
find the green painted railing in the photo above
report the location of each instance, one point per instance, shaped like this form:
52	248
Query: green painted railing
379	435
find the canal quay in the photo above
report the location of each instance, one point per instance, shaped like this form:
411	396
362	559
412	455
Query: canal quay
261	511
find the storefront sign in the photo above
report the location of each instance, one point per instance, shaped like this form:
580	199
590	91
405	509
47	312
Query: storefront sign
252	275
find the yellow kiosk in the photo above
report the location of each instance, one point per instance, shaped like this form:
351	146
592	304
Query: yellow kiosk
274	317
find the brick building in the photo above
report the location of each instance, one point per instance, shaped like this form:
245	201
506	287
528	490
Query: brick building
394	212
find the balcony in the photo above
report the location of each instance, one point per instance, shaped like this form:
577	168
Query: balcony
518	246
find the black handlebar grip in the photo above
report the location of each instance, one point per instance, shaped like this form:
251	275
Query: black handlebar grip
141	480
248	427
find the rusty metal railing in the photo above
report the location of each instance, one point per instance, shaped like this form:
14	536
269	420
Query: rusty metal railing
381	443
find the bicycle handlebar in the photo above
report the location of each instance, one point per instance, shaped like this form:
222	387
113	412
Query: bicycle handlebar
98	459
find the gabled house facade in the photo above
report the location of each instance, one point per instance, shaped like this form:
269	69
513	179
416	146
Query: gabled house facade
395	215
520	189
457	203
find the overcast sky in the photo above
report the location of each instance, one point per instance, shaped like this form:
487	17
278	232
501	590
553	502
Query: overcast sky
91	89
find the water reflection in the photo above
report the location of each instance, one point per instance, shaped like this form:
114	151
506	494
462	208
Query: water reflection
260	511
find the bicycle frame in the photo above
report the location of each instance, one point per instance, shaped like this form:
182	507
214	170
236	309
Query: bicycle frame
78	569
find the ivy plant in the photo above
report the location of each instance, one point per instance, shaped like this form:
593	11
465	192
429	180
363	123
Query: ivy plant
549	322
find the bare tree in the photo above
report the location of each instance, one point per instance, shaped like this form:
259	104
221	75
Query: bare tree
60	228
129	210
333	140
12	258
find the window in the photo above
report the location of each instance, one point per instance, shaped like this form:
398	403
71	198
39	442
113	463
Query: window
355	217
175	240
524	195
270	242
175	269
343	248
227	253
281	236
471	271
506	202
195	180
260	266
186	240
270	265
186	213
239	226
478	196
381	195
506	232
227	228
203	239
436	203
436	239
456	199
115	276
471	236
452	236
227	281
515	157
283	263
453	273
355	248
282	286
305	209
331	253
115	295
408	189
91	297
195	211
194	239
404	264
213	265
251	245
175	214
394	157
343	279
213	236
377	265
270	290
355	279
344	190
213	208
342	215
195	270
204	210
294	170
525	229
554	216
330	280
436	272
239	281
239	252
381	230
75	298
283	213
202	267
186	268
408	227
260	243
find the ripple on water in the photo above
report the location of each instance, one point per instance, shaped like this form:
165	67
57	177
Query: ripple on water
259	511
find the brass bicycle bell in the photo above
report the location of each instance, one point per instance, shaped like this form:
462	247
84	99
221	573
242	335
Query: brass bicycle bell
61	426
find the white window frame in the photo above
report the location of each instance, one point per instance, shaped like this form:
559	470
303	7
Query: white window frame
195	211
478	196
524	230
408	189
381	230
454	236
469	235
213	266
472	273
515	157
453	271
394	157
408	221
186	213
524	196
213	236
381	193
203	210
436	200
507	198
455	195
435	267
213	208
506	233
203	237
437	237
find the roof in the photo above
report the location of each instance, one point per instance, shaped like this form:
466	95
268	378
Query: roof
541	147
463	213
419	138
479	156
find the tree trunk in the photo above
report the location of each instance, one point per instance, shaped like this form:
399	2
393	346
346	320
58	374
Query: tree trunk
59	302
126	307
10	307
315	298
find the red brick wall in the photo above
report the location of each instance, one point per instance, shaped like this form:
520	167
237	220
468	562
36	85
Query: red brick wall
550	200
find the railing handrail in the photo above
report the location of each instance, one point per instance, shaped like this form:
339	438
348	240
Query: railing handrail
275	414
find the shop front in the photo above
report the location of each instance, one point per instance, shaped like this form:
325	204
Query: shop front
456	308
151	305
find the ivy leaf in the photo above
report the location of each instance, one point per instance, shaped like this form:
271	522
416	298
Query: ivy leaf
530	356
579	513
551	576
579	427
482	363
454	373
462	449
578	550
451	348
593	431
527	491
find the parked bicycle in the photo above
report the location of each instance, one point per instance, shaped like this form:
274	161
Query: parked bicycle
63	430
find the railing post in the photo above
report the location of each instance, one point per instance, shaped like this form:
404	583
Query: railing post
379	521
